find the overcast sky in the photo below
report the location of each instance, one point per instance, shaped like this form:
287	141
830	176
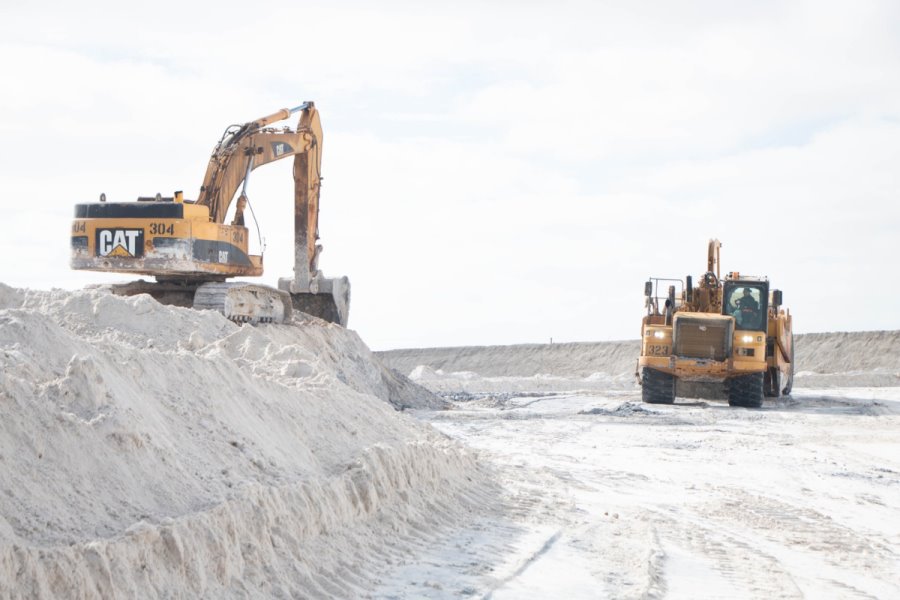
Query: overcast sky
495	172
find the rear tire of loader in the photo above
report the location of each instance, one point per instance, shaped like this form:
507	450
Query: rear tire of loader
657	387
745	390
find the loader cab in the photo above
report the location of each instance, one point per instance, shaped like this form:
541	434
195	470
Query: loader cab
747	302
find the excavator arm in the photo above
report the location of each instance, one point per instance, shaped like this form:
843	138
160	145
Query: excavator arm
246	147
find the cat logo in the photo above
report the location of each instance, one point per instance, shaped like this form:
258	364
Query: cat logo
279	148
120	243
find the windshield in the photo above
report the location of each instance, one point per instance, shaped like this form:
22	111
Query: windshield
747	304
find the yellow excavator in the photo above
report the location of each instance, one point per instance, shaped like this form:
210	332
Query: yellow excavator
733	331
190	250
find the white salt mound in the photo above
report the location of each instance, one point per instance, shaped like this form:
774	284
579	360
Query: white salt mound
150	451
836	359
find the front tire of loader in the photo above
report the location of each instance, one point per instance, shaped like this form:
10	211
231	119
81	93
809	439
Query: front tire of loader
746	390
657	387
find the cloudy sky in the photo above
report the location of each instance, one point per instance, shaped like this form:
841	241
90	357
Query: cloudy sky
495	172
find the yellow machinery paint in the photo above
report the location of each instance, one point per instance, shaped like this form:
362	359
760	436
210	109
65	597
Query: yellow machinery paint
167	246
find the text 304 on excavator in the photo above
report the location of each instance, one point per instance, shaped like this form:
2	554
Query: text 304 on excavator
732	331
191	251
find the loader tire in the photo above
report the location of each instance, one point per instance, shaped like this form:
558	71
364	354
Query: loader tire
657	387
745	390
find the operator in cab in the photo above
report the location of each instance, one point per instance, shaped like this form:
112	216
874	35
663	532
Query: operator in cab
747	301
745	309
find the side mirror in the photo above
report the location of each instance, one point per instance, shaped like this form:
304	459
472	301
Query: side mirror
776	298
648	288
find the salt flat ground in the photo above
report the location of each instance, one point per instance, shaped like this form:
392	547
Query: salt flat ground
607	497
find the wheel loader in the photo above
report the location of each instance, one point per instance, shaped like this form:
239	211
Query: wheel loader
191	251
730	333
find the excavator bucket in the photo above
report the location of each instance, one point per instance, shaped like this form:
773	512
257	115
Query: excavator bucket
327	299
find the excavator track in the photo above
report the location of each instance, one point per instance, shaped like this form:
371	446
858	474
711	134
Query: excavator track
244	302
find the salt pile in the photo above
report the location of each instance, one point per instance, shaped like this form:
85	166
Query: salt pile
572	359
154	451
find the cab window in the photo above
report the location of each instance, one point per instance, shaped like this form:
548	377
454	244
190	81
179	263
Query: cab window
747	305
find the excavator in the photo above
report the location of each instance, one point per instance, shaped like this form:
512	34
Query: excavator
191	251
732	331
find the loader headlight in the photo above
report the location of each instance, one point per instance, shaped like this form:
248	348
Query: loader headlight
659	334
747	339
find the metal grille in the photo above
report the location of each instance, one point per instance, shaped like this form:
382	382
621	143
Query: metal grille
696	337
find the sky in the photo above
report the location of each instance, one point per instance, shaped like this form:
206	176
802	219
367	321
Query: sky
495	172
